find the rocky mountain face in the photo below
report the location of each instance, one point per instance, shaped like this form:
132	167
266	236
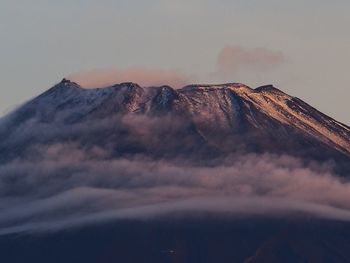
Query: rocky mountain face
197	122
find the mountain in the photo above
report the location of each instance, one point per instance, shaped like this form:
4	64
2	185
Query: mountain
197	121
205	173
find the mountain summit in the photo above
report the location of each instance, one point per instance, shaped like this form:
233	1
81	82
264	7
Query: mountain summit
196	121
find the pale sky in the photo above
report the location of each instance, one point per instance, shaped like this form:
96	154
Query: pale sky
302	47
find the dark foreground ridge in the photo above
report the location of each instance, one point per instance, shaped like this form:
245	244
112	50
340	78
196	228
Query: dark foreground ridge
190	240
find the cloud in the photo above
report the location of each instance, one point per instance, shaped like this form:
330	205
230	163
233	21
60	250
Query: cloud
58	182
234	59
140	75
231	61
68	186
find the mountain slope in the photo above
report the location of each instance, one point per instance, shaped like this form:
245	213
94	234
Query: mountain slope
201	121
206	173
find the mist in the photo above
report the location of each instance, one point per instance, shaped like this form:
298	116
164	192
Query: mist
140	75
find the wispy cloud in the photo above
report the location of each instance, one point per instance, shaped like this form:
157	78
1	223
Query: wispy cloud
58	185
233	59
140	75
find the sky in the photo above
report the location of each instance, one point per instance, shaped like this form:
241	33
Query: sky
301	47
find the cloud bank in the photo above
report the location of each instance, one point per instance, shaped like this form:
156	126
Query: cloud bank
66	185
140	75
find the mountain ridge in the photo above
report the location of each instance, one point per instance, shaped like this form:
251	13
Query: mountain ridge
222	118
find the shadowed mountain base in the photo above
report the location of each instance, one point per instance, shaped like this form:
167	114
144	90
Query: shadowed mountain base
191	240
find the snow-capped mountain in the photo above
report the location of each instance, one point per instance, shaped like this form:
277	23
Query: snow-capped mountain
97	162
198	121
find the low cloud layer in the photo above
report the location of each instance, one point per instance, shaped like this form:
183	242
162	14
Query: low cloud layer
68	186
140	75
234	59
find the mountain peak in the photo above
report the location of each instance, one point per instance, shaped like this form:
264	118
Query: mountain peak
68	82
64	80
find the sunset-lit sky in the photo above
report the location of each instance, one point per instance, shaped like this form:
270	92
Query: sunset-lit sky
302	47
